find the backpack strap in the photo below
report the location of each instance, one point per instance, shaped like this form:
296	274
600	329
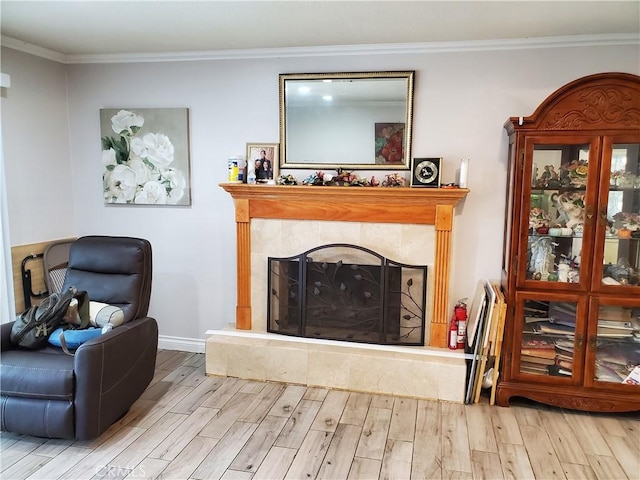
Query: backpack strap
63	345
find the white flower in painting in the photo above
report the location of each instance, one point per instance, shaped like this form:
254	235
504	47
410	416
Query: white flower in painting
155	147
152	192
175	184
120	184
139	148
126	123
141	170
109	157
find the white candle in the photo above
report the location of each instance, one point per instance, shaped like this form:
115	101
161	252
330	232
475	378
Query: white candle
464	171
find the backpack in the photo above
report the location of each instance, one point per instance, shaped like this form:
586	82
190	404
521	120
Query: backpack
32	328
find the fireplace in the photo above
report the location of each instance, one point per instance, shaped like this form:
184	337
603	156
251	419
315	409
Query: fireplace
407	206
349	293
409	225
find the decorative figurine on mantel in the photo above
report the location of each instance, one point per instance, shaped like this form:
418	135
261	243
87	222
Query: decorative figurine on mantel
314	179
287	180
344	177
393	180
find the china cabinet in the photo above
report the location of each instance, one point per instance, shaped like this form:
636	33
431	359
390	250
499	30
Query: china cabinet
571	263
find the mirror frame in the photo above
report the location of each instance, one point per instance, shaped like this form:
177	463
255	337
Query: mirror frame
405	165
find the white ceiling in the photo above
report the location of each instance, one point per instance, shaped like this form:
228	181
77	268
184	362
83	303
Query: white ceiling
74	28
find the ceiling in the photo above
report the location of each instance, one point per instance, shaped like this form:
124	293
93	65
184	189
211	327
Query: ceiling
74	28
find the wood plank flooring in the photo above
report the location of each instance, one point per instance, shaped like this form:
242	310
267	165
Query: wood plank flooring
189	426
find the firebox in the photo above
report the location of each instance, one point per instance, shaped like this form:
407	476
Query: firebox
349	293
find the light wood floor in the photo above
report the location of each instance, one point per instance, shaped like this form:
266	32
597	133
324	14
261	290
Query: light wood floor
188	425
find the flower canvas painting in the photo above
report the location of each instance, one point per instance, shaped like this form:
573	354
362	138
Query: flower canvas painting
145	156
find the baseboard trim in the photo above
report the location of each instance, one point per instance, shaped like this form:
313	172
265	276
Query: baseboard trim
195	345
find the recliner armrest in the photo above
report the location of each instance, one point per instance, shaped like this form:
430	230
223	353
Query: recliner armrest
112	371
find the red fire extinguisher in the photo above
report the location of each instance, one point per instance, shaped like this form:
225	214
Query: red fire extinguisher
460	313
453	333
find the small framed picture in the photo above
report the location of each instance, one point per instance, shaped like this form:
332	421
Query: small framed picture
264	158
425	172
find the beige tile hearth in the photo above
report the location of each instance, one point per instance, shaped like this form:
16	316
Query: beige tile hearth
420	372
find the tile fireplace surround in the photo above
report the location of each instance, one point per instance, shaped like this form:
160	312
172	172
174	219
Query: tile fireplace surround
408	225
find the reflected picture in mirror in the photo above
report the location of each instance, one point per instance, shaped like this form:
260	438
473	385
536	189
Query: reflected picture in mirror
358	121
389	143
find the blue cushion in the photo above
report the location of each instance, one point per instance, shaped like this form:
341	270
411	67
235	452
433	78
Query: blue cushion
74	338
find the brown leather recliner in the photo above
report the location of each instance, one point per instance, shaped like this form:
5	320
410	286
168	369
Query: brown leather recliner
47	393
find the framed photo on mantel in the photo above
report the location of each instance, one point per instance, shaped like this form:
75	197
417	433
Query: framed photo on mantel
265	159
425	172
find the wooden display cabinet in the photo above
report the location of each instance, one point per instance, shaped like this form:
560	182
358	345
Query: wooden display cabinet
571	262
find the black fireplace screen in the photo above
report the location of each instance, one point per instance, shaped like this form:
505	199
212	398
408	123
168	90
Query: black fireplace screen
350	293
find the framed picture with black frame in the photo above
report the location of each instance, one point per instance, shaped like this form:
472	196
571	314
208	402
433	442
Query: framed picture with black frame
425	172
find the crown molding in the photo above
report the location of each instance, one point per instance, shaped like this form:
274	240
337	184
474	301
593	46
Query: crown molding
339	50
26	47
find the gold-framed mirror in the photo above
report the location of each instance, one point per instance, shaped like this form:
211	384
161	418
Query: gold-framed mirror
354	121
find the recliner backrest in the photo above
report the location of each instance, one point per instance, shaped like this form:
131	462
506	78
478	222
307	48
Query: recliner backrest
55	259
113	270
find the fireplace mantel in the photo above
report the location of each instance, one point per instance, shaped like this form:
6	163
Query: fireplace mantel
426	206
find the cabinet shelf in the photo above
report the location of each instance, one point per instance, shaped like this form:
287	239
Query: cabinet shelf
560	189
536	234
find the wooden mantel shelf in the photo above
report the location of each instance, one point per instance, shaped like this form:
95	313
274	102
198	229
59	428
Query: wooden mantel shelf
425	206
356	204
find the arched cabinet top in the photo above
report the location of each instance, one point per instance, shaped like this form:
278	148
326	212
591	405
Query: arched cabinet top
604	101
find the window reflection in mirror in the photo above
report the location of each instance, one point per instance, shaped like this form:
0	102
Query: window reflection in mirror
346	120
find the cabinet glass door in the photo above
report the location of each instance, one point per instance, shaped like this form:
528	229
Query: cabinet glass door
560	209
551	343
615	345
619	217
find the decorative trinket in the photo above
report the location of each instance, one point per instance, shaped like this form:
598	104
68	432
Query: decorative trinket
624	233
287	180
314	179
393	180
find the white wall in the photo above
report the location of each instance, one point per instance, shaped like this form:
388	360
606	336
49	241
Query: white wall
462	100
35	131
